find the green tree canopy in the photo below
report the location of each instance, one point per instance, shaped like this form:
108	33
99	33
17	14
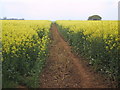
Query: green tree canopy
94	17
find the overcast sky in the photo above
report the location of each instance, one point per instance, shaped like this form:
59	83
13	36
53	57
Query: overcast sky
59	9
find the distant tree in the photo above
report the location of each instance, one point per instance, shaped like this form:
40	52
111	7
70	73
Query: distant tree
21	19
94	17
4	18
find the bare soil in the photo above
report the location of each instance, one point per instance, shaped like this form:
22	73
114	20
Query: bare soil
64	69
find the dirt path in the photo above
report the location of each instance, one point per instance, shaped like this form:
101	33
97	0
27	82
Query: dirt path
65	70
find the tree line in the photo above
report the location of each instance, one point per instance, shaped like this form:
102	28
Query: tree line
5	18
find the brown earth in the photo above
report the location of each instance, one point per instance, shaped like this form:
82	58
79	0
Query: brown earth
64	69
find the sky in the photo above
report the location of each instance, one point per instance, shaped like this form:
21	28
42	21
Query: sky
59	9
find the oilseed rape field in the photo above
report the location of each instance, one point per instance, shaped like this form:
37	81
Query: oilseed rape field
97	41
24	51
36	53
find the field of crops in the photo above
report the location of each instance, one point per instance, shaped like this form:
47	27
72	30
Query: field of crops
0	54
95	40
24	50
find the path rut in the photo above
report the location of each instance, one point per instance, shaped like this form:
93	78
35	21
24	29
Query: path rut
64	69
